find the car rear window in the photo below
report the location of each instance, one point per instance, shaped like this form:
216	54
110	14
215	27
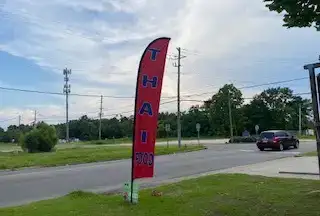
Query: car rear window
267	135
281	134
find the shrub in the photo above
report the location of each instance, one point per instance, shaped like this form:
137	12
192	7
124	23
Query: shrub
43	138
99	142
250	139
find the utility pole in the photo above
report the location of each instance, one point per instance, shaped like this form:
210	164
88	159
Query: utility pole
178	99
35	118
100	117
179	57
19	121
300	120
66	91
315	102
230	117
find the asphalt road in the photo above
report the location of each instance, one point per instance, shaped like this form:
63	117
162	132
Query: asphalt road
20	187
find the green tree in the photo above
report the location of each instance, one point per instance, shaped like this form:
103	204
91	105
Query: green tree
297	13
273	108
43	138
126	125
83	129
218	110
256	113
189	119
167	118
277	108
2	134
112	128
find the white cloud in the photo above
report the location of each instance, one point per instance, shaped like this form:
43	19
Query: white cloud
102	41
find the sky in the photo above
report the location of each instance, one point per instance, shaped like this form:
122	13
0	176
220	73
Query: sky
101	41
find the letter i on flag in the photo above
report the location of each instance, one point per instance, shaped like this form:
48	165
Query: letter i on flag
147	102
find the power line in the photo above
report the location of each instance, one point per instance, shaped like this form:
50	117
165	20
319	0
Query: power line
96	112
190	100
273	83
71	94
6	120
58	93
246	98
129	97
131	111
190	95
251	86
108	115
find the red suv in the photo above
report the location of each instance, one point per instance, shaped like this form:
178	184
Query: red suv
277	139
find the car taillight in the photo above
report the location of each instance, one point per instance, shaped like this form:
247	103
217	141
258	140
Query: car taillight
276	139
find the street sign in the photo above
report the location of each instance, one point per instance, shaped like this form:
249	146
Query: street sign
256	128
198	130
198	126
167	127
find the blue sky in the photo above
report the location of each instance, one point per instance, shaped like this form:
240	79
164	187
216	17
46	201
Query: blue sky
102	41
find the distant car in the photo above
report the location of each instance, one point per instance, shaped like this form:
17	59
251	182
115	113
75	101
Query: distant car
277	139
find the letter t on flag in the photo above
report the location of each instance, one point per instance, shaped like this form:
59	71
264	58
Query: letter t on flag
147	102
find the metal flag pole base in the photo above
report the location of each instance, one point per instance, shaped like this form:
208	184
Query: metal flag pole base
131	189
131	192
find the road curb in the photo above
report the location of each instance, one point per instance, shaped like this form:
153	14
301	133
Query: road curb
298	173
152	183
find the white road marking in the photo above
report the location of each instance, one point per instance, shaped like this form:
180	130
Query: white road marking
271	152
244	150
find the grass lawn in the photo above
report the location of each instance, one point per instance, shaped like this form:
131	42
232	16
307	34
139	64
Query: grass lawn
9	147
309	154
15	160
307	137
115	141
219	195
129	140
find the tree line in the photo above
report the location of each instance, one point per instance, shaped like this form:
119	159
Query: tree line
274	108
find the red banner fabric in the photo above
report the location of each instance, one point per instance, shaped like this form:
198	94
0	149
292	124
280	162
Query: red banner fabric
148	93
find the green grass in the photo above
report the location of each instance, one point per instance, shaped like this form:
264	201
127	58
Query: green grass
15	160
114	141
309	154
93	143
9	147
233	195
306	137
129	140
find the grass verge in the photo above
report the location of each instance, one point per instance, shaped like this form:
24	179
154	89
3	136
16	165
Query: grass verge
129	140
309	154
233	195
15	160
307	137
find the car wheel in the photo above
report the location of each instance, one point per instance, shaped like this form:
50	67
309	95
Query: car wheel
281	147
261	149
296	145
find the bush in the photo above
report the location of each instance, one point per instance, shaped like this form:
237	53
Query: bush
43	138
250	139
99	142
